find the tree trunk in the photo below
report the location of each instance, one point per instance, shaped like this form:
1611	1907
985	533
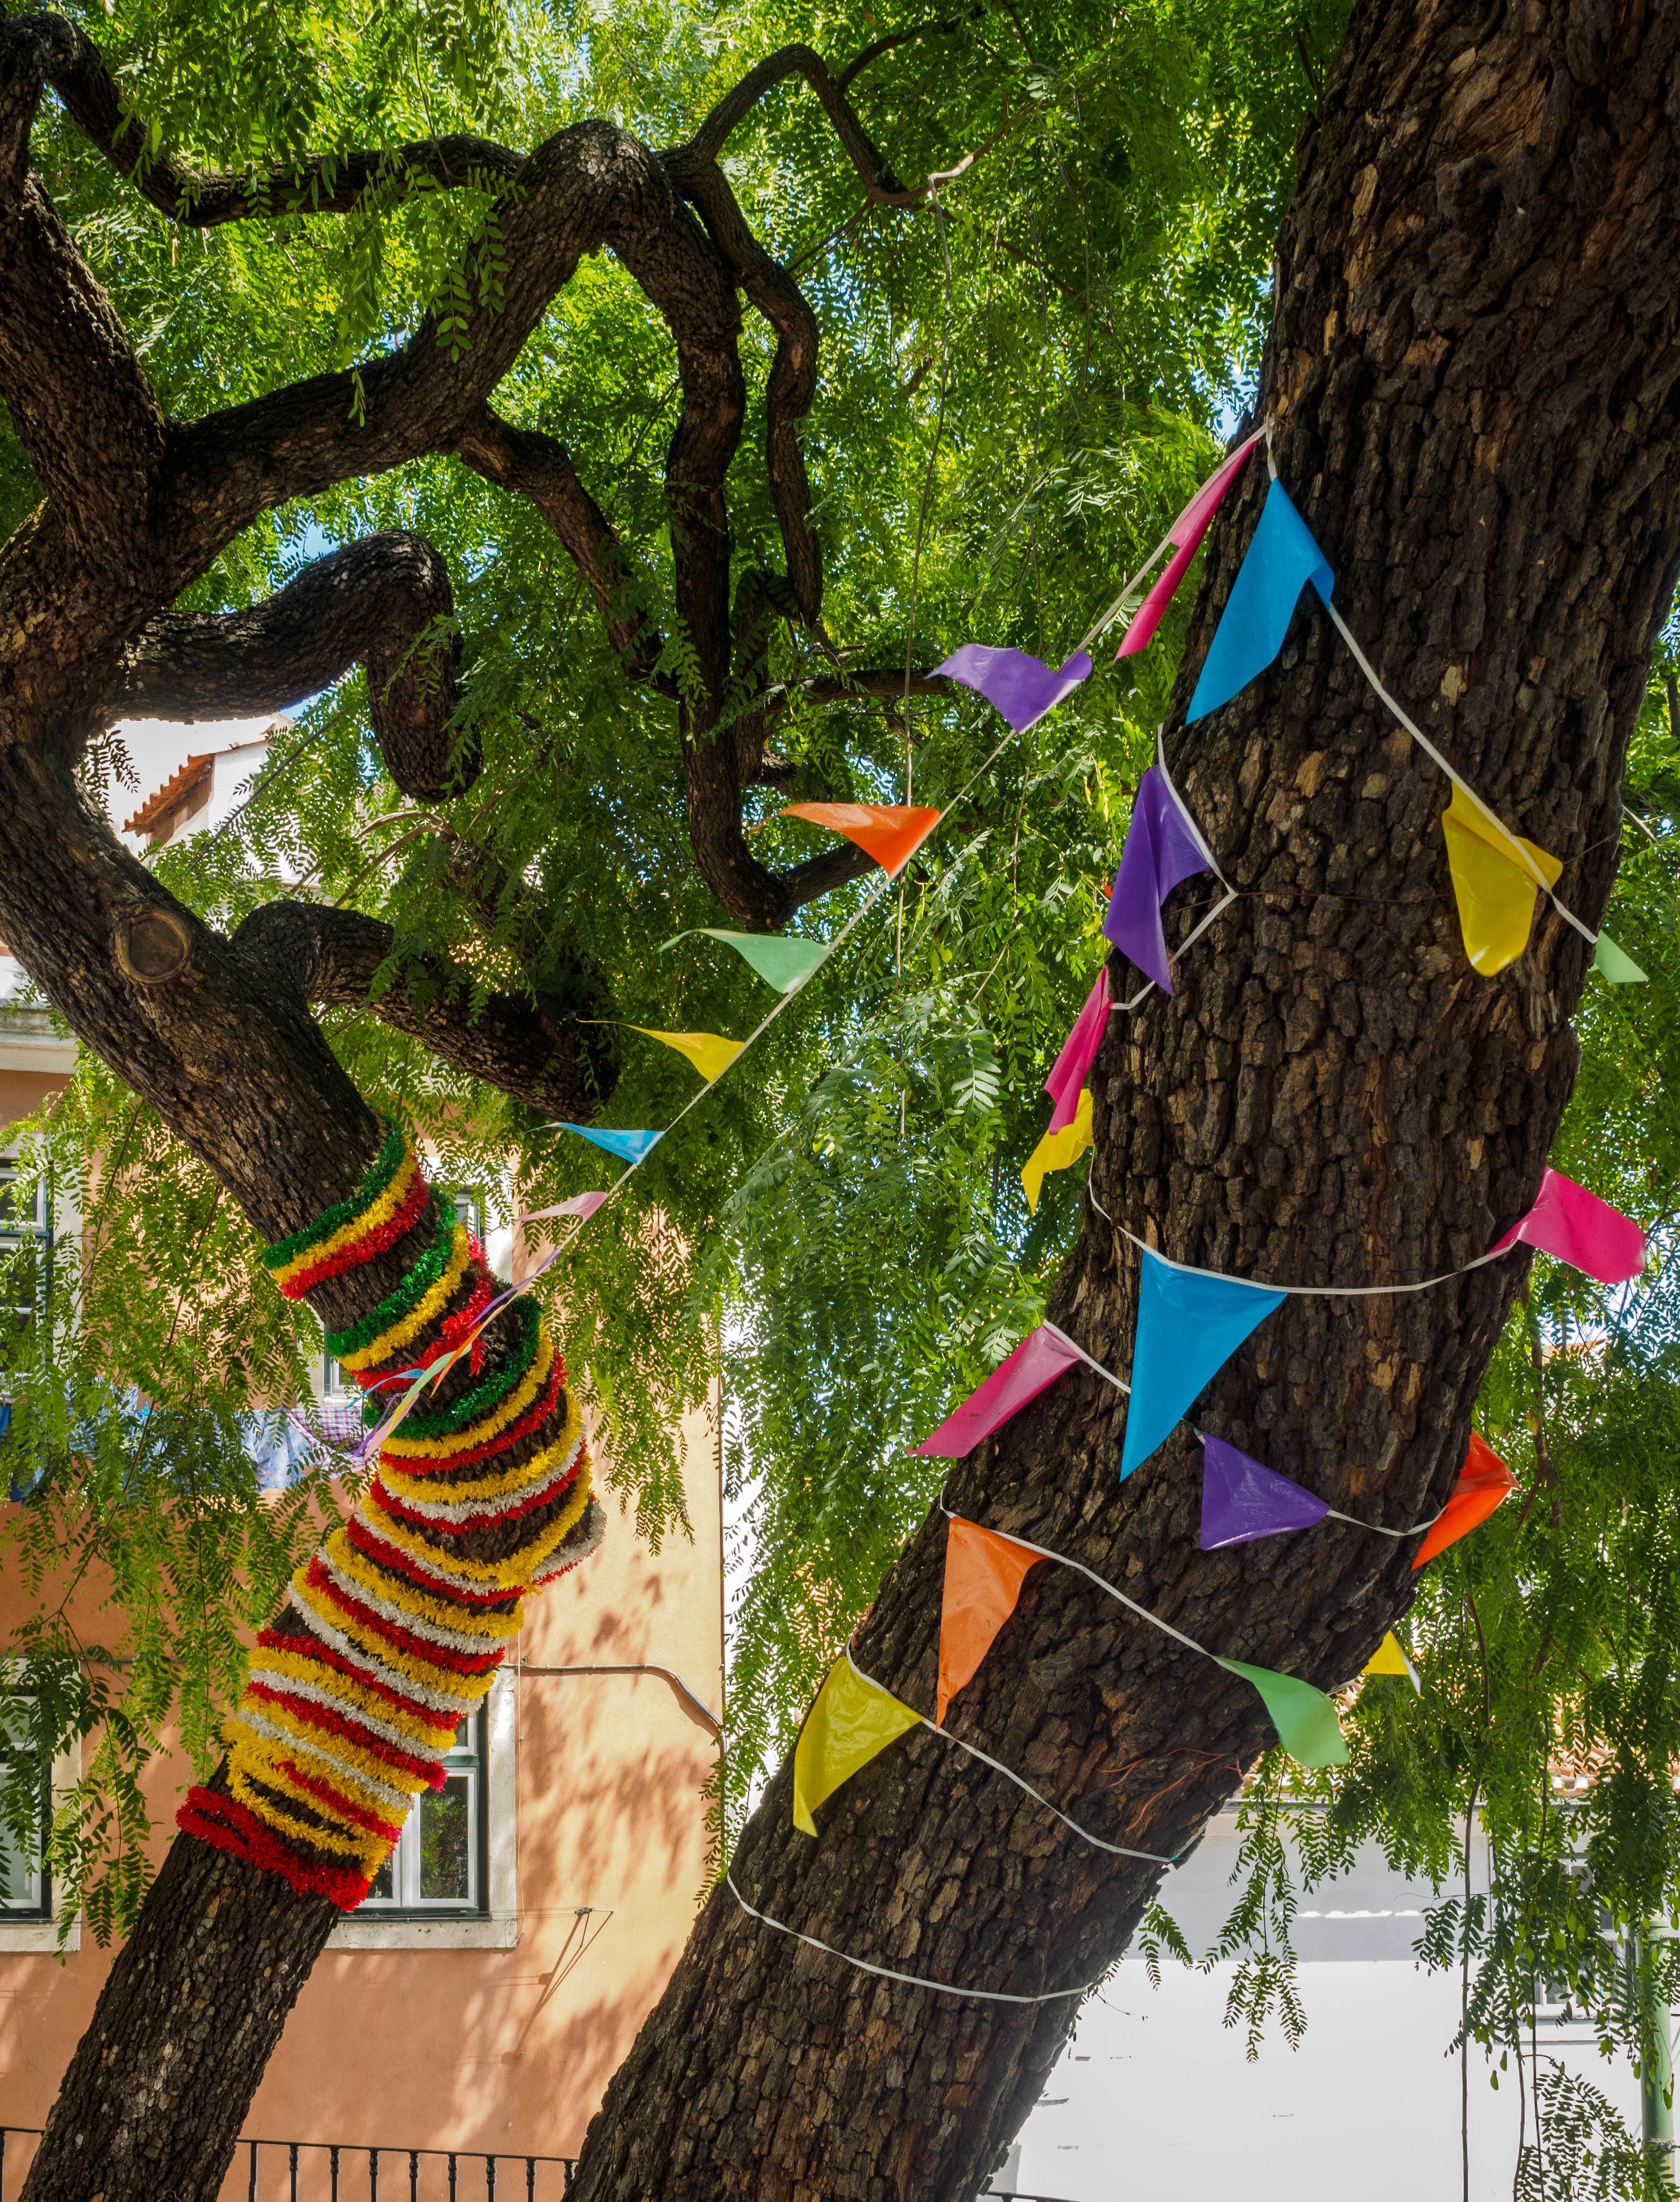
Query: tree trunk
1474	365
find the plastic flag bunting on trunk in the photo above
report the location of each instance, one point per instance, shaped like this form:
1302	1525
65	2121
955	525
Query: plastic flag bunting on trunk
890	832
852	1720
984	1574
1241	1500
1484	1483
1186	534
1042	1355
1078	1051
1282	559
1189	1325
1014	683
1162	849
1389	1659
1305	1718
1058	1151
780	959
1579	1229
1495	889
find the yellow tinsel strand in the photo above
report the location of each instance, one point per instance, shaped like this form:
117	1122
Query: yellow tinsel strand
390	1342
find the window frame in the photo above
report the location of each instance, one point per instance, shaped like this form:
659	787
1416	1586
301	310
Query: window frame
29	1933
40	1910
470	1758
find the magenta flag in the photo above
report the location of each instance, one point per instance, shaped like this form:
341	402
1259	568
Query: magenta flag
1242	1500
1187	532
1580	1228
1161	848
1036	1361
1012	682
1078	1051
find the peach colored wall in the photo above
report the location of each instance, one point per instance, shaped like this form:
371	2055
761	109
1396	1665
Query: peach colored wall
22	1094
490	2049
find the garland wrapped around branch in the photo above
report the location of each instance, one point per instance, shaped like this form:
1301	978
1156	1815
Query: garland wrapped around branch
392	1632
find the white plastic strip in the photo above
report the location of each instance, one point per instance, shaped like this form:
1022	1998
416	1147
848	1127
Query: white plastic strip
905	1979
1106	618
1114	1850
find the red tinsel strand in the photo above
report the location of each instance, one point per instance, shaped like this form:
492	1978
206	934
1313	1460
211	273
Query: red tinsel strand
374	1547
416	1647
543	1498
532	1419
323	1655
429	1770
231	1828
454	1328
326	1795
363	1250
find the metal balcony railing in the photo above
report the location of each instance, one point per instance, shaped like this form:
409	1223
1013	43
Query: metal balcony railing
334	2171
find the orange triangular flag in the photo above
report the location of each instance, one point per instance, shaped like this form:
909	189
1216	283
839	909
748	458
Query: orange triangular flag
892	833
983	1580
1483	1482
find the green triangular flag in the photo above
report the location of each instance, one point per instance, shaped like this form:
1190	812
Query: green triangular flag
1617	965
780	960
1304	1717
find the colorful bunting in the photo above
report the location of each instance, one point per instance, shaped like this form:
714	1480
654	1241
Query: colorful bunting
630	1146
1305	1718
1185	535
892	833
1484	1483
1282	559
1189	1325
1078	1052
583	1206
780	959
1579	1229
1042	1355
710	1054
1162	848
1615	963
1058	1151
1495	889
1241	1500
984	1574
852	1720
1389	1659
1017	685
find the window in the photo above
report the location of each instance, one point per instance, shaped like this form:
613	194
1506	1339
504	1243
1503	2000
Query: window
26	1804
438	1865
26	1245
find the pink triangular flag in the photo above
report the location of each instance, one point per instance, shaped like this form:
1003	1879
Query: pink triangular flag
1078	1052
1187	532
1037	1361
1580	1228
582	1204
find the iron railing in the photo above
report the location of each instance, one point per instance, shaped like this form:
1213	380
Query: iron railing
400	2168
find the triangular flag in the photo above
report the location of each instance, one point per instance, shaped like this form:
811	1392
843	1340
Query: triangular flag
984	1574
1242	1500
780	959
1037	1361
1281	558
629	1147
1389	1659
1057	1149
1186	534
1495	889
582	1204
1018	686
852	1721
1305	1718
892	833
1078	1052
1579	1229
1189	1325
710	1055
1484	1483
1161	848
1616	964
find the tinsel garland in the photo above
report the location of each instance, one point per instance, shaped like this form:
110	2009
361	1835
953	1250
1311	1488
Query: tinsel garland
390	1635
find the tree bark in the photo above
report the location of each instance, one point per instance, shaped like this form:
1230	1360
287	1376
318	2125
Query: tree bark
1474	364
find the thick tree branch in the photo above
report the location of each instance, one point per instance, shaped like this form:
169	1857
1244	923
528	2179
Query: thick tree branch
371	602
882	186
334	956
872	53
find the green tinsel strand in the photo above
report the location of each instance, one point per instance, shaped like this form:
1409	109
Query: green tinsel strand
408	1294
445	1422
380	1172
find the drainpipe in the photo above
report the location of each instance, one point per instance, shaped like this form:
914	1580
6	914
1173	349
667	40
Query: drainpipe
1656	2072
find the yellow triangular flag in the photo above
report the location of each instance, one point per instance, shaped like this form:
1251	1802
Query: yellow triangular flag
852	1720
710	1055
1495	889
1057	1149
1389	1659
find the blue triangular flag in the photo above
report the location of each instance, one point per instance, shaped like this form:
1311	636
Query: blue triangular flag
1189	1325
630	1146
1282	559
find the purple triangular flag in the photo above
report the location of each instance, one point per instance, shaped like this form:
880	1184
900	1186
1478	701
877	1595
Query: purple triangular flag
1242	1500
1042	1355
1014	683
1161	848
1078	1051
